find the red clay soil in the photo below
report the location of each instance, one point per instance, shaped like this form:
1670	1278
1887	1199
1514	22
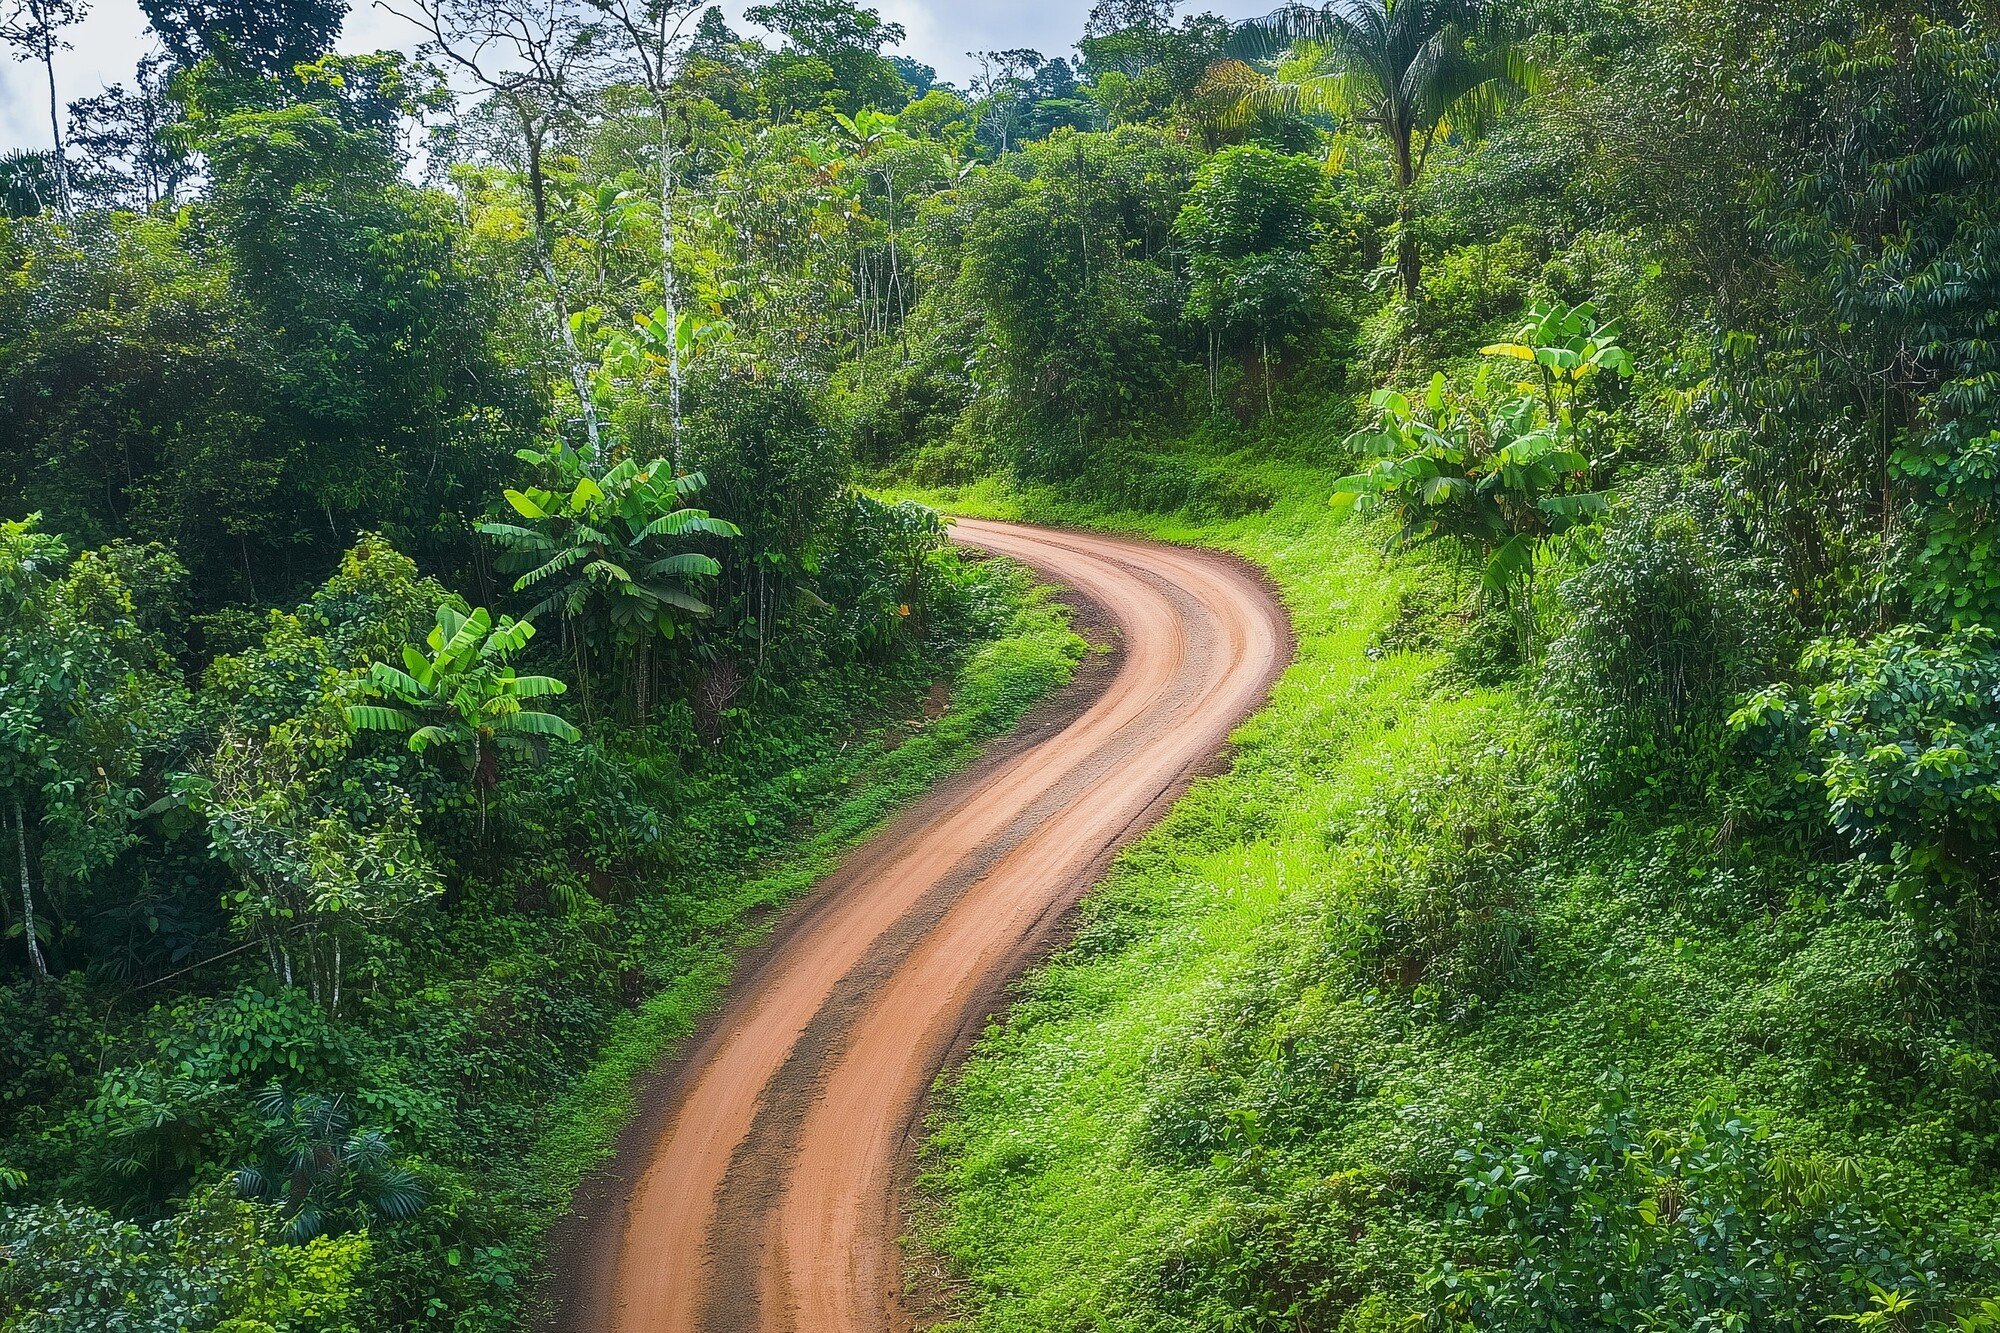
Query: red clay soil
767	1188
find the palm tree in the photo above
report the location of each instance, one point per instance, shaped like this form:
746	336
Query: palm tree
462	694
319	1164
1415	70
595	550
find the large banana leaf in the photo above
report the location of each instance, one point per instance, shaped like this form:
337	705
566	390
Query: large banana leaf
378	717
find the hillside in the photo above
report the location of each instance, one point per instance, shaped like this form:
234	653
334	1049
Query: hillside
448	606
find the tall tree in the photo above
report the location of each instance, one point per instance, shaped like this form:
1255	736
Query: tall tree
1415	70
658	41
34	29
832	56
128	159
538	60
263	37
1110	16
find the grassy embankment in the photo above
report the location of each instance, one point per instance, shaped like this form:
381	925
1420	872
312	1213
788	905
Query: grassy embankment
1234	1102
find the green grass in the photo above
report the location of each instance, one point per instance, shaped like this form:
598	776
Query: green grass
1233	1103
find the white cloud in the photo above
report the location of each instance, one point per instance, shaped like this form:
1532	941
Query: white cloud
108	44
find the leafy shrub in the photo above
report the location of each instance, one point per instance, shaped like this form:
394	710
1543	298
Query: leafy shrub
1270	1266
1902	736
1443	905
909	394
1604	1225
880	572
1664	631
1467	288
217	1266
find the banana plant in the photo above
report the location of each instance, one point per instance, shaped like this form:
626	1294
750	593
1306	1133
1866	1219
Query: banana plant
597	549
1497	477
461	695
1568	347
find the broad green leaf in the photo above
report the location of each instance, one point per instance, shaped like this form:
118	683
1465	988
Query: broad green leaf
524	506
376	717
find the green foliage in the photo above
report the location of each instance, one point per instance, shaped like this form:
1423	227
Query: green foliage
182	381
775	466
1900	734
1444	909
320	1168
833	58
1497	472
216	1266
312	883
1417	73
600	553
463	696
1063	250
1604	1225
1661	634
1448	879
255	37
86	701
1900	271
882	572
1253	232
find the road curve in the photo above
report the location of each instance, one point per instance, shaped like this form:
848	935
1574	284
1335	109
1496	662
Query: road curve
768	1200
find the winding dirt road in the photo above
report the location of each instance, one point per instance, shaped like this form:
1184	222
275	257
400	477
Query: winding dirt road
767	1191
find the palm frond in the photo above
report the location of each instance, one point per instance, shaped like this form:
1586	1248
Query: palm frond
1267	37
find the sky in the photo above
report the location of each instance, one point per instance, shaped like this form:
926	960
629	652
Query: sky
108	44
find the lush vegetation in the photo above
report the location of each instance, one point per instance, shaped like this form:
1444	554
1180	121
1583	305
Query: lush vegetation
1592	932
438	606
436	611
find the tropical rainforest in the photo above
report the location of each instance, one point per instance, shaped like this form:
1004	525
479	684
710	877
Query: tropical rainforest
470	542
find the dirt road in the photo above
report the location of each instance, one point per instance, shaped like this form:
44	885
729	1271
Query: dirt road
767	1194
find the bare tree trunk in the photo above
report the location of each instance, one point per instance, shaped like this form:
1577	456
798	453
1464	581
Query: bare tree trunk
1264	345
538	196
670	289
57	159
1409	260
28	893
579	378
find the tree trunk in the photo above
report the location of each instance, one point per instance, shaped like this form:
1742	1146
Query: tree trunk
669	289
28	893
1409	261
60	162
538	194
1264	348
